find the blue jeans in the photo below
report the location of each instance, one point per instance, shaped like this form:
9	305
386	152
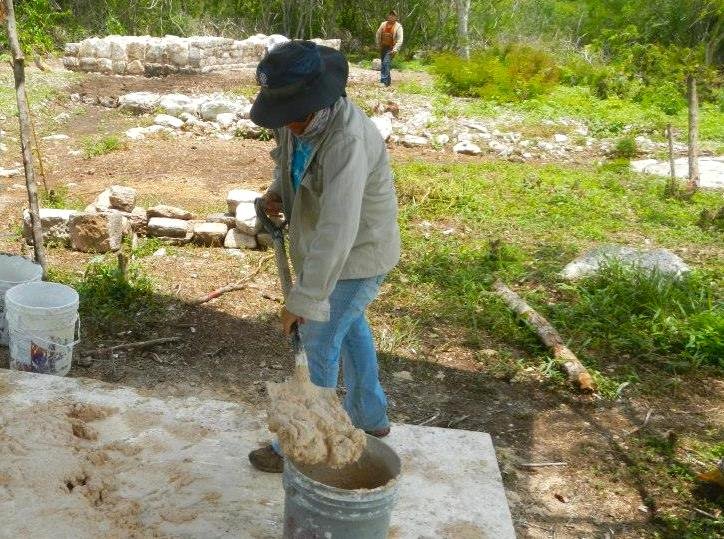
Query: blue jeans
385	76
347	337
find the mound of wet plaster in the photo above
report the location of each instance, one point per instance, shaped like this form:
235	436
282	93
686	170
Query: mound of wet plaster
54	474
311	424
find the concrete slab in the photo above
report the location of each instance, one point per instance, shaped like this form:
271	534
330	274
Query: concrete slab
84	459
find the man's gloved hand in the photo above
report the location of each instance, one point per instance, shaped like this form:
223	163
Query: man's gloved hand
273	204
288	321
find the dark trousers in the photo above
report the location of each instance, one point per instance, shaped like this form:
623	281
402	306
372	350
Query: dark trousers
386	57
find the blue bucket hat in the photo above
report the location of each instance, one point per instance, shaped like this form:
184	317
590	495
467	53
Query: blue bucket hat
296	79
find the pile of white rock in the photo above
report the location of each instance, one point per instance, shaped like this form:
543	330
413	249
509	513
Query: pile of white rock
179	113
156	56
102	225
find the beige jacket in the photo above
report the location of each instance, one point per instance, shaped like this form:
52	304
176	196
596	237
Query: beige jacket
343	222
399	36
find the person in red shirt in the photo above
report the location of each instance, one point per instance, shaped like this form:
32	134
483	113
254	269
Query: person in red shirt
389	39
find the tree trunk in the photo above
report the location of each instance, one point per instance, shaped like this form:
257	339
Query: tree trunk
463	8
24	117
693	134
566	359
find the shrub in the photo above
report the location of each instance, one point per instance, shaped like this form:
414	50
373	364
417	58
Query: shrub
625	148
515	73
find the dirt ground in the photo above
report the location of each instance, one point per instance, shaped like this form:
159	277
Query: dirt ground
232	345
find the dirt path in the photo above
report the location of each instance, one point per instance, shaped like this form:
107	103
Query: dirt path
232	345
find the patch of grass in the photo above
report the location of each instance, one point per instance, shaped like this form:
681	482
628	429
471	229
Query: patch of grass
59	197
647	315
42	87
108	300
148	246
463	225
95	146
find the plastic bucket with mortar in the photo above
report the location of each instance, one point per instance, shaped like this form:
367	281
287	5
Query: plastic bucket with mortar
14	270
44	327
353	502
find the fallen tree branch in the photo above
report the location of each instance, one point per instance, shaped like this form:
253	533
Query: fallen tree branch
566	359
139	344
541	464
705	513
239	285
643	425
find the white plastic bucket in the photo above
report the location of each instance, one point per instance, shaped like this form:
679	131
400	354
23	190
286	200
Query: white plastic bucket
14	270
44	327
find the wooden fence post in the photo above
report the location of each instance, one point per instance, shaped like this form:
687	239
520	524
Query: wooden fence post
693	134
25	134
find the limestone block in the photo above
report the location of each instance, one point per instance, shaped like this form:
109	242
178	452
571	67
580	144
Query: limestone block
167	120
236	239
88	63
240	196
246	220
467	148
660	260
178	53
412	141
228	219
88	47
226	119
219	104
377	64
210	234
176	104
122	198
139	102
71	63
119	66
169	212
71	49
54	223
118	49
164	227
248	129
383	124
134	67
136	50
96	232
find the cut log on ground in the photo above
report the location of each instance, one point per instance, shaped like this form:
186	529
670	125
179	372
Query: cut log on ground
577	373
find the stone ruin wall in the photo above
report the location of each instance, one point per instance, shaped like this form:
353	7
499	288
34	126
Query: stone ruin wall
154	56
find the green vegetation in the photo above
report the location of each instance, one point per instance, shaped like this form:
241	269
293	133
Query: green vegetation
95	146
111	301
625	148
59	197
513	73
465	224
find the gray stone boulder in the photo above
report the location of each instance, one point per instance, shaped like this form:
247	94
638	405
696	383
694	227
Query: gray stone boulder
246	220
96	232
240	196
660	260
54	223
169	212
377	64
210	234
414	141
248	129
176	104
165	227
236	239
122	198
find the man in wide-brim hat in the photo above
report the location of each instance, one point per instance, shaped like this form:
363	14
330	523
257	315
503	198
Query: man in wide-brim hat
333	182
